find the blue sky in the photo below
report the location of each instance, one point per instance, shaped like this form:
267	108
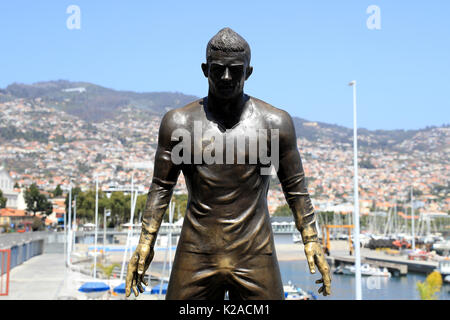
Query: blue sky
304	53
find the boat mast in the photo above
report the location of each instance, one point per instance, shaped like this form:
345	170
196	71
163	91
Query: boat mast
412	221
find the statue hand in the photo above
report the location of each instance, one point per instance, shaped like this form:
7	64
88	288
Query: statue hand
315	256
138	265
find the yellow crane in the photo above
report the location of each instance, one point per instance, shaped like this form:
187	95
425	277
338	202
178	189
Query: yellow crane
326	235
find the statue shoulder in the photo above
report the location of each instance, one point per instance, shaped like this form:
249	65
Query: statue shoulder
181	117
275	117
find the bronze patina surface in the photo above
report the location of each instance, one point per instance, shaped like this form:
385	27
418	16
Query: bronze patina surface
226	243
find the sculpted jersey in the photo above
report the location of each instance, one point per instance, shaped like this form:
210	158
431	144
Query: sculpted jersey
227	174
227	209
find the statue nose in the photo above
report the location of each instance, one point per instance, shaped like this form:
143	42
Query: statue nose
226	75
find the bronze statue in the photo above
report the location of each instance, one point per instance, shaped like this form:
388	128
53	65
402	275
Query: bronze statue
226	243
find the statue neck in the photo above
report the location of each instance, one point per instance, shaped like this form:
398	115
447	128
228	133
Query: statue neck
227	112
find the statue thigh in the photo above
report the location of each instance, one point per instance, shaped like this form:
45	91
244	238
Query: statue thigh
198	276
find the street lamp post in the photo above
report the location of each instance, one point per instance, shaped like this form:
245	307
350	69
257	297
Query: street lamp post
74	221
358	290
412	220
69	226
96	227
105	213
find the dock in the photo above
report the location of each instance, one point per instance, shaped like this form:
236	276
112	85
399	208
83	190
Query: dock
396	265
394	268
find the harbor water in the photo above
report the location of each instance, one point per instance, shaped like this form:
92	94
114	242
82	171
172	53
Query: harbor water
343	286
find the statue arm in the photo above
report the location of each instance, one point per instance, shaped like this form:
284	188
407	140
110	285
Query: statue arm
165	175
292	178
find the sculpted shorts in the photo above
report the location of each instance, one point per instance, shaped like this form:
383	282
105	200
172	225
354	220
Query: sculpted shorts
197	276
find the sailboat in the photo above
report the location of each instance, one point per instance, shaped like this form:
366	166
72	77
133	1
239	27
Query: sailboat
366	270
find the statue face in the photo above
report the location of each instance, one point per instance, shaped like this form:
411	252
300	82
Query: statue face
226	73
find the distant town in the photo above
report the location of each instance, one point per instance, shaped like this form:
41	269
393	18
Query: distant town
44	145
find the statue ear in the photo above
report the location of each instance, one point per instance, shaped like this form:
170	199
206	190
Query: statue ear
205	69
248	72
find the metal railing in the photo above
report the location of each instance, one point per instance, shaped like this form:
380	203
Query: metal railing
21	246
5	266
278	228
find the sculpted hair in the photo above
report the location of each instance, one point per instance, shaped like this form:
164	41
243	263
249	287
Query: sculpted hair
226	40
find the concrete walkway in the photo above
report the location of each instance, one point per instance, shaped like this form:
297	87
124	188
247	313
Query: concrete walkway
40	278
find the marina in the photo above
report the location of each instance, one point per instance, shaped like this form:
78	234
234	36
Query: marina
93	264
47	276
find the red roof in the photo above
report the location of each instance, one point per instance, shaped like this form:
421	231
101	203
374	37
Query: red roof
8	212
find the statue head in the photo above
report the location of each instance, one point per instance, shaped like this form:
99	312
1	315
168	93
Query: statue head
227	64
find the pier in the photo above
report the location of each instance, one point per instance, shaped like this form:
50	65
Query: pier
394	268
396	265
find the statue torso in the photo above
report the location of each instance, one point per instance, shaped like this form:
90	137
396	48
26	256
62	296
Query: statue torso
227	207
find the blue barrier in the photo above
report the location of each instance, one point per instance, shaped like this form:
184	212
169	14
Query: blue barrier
23	252
4	262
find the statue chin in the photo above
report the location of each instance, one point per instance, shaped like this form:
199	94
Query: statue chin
226	93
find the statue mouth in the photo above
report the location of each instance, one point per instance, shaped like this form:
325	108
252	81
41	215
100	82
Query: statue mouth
226	87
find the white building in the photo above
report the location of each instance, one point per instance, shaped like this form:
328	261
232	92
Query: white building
16	199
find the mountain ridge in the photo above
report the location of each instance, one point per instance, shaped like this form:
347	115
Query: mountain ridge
95	103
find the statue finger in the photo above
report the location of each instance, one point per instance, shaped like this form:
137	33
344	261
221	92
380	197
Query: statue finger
310	259
133	286
141	289
141	265
320	289
323	267
319	281
141	280
136	293
326	279
129	279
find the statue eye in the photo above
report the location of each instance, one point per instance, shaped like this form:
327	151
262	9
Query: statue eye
217	69
236	70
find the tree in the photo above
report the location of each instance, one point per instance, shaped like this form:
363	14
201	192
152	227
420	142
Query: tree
58	191
283	211
37	202
99	157
430	286
327	216
140	205
37	224
120	205
86	204
2	200
75	192
109	269
180	206
366	164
